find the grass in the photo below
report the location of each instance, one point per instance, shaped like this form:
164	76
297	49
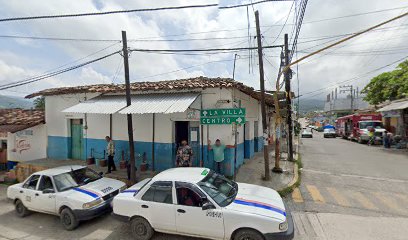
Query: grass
289	189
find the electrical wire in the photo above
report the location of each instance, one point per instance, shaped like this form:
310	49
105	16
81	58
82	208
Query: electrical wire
252	4
105	13
24	82
200	50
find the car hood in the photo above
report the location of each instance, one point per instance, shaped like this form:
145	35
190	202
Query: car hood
258	200
96	189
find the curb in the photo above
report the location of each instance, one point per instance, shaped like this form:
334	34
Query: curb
295	181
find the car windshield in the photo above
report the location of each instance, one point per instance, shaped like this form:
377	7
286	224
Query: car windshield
75	178
222	190
329	130
364	125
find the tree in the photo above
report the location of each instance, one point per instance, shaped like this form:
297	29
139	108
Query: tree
39	103
388	85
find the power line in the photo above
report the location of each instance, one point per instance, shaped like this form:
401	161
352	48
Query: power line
355	78
200	50
252	4
45	76
105	13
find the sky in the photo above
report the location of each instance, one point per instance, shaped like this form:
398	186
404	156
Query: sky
325	21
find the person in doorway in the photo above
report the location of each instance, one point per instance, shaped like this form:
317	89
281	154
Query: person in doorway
184	155
218	150
111	153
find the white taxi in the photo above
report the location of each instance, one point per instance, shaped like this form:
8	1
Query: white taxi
75	193
201	203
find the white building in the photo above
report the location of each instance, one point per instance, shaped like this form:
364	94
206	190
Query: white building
22	136
163	113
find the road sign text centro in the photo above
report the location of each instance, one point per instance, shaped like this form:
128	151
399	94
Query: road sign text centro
222	116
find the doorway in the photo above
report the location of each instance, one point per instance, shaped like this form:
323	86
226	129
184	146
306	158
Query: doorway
76	138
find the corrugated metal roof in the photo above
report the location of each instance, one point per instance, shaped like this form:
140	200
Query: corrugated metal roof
397	105
101	105
160	103
146	103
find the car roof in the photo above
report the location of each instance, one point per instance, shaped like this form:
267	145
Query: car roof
59	170
182	174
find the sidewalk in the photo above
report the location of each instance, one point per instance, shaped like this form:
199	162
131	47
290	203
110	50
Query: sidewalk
253	171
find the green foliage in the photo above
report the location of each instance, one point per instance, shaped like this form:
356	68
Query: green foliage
39	103
388	85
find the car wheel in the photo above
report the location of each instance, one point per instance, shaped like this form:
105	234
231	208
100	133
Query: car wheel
141	229
248	234
21	210
68	219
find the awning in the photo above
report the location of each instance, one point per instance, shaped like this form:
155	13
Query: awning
144	103
398	105
160	103
101	105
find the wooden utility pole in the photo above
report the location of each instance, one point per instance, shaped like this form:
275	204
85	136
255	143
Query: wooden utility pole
263	107
287	76
129	116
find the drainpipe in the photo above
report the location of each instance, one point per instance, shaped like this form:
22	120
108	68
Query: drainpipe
153	138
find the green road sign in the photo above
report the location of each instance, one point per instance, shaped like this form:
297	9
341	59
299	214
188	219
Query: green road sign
222	120
223	112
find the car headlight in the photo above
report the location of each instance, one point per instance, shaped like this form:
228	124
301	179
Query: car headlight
92	204
123	188
283	226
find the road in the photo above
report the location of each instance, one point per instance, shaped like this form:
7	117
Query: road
350	191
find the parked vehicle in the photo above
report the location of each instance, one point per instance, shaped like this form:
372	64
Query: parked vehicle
201	203
329	133
306	133
74	193
355	127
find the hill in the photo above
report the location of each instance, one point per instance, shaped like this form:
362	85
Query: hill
15	102
307	105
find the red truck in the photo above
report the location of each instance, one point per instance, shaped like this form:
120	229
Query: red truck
356	127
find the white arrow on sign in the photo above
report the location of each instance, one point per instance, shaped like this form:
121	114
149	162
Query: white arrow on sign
239	120
205	113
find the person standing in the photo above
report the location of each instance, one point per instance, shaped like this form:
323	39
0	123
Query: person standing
111	153
218	151
184	155
371	140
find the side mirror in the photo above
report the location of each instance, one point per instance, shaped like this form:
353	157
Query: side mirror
208	205
48	190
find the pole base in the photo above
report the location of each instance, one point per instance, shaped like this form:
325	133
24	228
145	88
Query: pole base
277	170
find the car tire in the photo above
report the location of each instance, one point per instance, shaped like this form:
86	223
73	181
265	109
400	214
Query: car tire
141	229
21	210
247	234
68	219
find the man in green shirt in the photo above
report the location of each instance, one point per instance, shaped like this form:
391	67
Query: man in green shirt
218	150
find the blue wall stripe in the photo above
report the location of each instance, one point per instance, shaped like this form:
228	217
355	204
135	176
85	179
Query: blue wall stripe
258	205
130	191
86	192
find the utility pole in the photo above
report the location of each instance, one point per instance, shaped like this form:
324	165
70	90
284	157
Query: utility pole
345	89
287	76
263	107
129	116
233	71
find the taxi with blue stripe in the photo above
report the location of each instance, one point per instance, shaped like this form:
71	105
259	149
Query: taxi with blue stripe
74	193
198	202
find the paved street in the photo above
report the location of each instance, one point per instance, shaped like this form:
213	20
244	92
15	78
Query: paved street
350	191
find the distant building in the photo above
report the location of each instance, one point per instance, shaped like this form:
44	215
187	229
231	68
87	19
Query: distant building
342	106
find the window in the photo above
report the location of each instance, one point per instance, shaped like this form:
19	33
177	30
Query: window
45	183
64	182
32	182
189	195
159	192
220	189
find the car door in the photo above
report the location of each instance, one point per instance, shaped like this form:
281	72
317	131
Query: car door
27	192
44	197
158	207
191	219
